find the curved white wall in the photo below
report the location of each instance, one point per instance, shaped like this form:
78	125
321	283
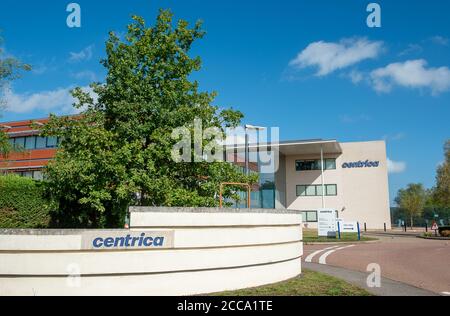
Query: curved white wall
212	250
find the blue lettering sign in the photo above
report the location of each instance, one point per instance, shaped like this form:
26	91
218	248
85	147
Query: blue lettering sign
128	241
361	164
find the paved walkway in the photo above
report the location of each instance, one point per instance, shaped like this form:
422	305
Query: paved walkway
388	287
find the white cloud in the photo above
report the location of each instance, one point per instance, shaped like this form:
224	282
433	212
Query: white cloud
394	137
440	40
396	166
85	74
329	57
411	74
59	101
356	76
39	70
84	54
411	49
348	119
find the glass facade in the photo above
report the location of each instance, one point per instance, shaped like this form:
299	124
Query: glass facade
263	194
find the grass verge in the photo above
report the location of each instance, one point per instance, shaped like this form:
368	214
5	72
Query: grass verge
311	236
309	283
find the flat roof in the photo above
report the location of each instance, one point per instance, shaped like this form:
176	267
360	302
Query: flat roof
296	147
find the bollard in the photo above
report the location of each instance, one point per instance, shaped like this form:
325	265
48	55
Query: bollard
426	227
359	232
365	228
385	227
405	227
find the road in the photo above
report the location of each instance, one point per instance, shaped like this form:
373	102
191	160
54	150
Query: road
418	262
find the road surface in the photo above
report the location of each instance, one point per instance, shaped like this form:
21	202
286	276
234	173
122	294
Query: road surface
418	262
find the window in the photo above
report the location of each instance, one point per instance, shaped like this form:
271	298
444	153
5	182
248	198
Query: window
311	190
30	142
41	142
304	220
301	190
52	142
309	216
319	190
38	175
330	164
331	189
307	165
303	165
19	142
27	174
316	190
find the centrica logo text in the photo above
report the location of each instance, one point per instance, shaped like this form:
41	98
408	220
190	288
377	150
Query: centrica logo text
361	164
128	241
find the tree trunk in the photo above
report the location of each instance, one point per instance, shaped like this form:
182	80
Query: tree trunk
412	224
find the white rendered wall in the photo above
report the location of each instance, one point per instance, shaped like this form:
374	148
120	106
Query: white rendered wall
213	250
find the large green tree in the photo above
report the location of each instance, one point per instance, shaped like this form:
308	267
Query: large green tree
10	69
119	151
412	200
441	192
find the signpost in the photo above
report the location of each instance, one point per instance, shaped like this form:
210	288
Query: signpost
326	222
348	227
435	227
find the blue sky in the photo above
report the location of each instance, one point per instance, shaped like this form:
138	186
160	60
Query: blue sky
312	68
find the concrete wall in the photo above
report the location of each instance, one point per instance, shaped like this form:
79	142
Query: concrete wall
212	250
363	192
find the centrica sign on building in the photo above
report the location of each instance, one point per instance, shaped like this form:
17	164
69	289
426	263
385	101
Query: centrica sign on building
361	164
127	240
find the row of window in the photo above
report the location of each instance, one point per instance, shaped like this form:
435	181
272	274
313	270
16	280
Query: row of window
305	165
316	190
36	175
34	142
311	216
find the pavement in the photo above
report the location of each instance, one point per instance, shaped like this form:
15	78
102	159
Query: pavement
409	265
388	287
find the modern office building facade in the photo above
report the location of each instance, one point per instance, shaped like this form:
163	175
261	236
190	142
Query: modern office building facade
350	178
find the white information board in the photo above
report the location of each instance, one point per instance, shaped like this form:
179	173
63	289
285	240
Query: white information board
326	222
348	227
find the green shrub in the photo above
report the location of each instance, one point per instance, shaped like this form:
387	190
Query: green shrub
22	204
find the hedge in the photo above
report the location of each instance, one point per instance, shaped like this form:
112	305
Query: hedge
22	204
